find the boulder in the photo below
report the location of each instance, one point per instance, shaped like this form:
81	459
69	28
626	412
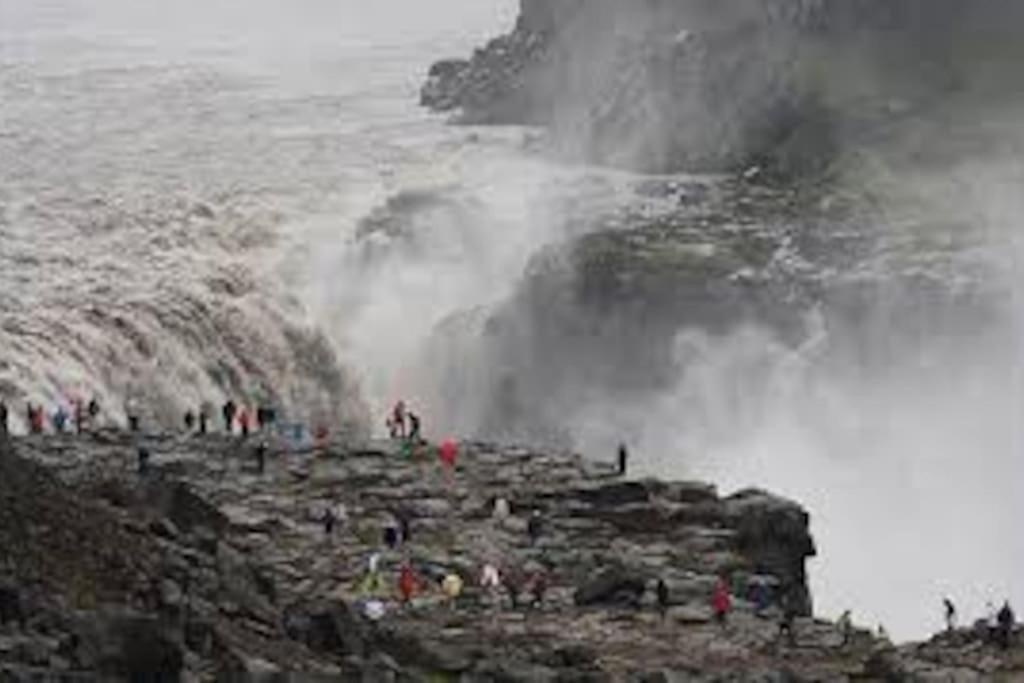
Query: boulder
612	586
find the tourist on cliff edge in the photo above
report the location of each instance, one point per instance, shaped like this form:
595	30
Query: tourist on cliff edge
721	602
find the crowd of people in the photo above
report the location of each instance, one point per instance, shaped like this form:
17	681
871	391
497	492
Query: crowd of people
514	580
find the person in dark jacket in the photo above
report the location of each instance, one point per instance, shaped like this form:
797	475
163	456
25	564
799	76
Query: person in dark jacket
1006	621
228	413
3	419
535	526
663	597
623	459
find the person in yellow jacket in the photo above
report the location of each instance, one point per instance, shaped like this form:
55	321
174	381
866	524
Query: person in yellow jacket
452	588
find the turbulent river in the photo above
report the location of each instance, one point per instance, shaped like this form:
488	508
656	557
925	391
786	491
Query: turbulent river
225	198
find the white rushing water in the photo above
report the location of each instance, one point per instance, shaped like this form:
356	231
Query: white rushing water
181	185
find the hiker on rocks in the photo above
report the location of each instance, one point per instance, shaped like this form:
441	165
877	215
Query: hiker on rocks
451	586
407	583
372	583
35	418
333	515
721	602
228	411
143	459
1005	622
490	580
94	411
190	420
761	596
4	429
204	419
397	422
261	457
845	625
535	526
60	419
132	414
538	588
515	582
79	415
414	428
623	459
391	536
661	591
404	520
950	610
787	625
501	510
243	422
265	417
449	452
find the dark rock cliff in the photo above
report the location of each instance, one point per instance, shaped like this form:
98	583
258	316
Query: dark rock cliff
669	85
206	569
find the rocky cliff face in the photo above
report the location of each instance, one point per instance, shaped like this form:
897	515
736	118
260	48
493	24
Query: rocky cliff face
670	85
204	568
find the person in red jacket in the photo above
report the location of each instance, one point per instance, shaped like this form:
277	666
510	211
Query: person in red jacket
407	583
722	601
449	452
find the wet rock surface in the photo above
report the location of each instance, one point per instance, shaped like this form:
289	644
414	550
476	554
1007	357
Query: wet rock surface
204	569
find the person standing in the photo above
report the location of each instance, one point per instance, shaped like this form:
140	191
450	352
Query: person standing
4	430
661	590
721	602
623	459
950	610
228	411
1006	620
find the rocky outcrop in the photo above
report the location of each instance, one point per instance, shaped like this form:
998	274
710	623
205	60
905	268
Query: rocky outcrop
685	85
205	569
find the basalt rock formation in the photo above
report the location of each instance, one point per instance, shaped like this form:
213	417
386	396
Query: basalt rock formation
685	85
204	568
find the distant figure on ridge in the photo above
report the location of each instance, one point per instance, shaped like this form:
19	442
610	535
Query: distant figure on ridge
261	457
35	418
60	419
950	610
451	586
538	588
398	420
449	452
243	422
535	526
329	520
4	431
721	602
204	419
514	581
623	459
190	420
845	625
228	413
490	580
661	590
132	414
407	583
94	411
414	427
143	459
1006	621
391	536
